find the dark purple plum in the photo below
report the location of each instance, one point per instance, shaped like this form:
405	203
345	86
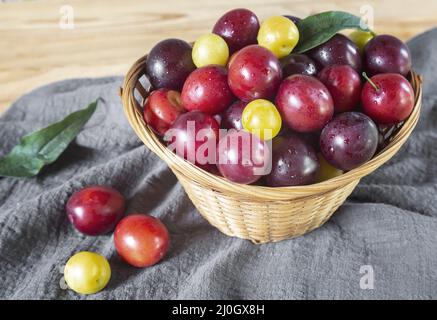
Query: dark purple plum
386	54
238	27
349	140
338	50
231	118
312	138
294	162
296	63
169	63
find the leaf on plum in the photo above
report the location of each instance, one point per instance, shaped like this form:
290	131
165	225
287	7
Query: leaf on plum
317	29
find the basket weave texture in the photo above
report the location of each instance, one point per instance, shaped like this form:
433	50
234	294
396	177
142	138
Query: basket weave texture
260	214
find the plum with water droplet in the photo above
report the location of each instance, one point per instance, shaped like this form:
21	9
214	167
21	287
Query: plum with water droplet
339	50
169	63
386	54
254	73
294	162
296	63
304	103
238	27
206	89
349	140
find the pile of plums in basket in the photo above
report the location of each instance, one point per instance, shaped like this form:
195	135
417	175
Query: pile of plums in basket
241	104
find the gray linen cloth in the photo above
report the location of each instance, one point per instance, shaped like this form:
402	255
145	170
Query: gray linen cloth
381	244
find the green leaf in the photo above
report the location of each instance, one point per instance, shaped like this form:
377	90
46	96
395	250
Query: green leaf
44	146
319	28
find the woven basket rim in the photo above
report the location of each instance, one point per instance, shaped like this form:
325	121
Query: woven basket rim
133	111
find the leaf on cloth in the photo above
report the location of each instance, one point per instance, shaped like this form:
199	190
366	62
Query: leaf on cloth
44	146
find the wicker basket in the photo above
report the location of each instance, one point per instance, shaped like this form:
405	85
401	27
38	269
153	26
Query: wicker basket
260	214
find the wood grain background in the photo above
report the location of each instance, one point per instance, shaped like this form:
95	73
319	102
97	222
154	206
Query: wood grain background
108	36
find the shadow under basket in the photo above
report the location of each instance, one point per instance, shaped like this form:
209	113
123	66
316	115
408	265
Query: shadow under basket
260	214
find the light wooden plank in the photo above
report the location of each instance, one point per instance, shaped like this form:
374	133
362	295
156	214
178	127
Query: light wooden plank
110	35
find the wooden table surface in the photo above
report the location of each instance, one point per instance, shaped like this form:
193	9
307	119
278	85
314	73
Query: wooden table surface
108	36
